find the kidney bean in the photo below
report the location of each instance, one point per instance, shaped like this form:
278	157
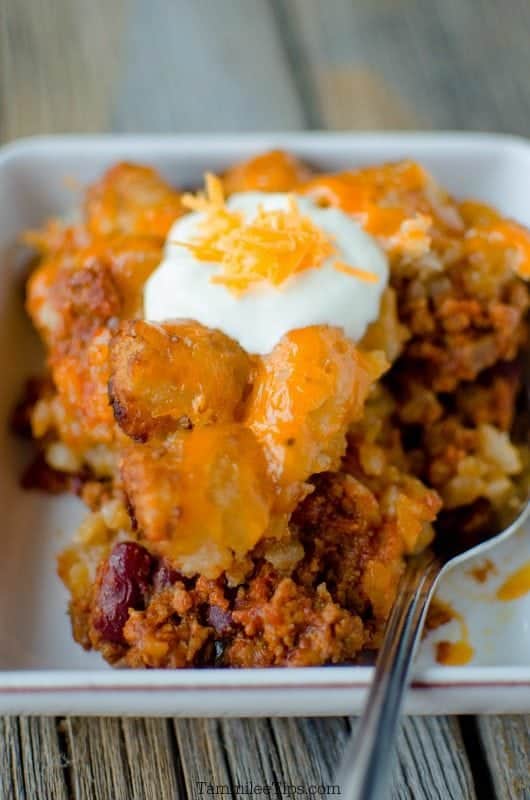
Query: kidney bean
126	583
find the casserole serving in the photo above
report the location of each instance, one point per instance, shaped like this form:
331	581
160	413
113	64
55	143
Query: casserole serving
86	164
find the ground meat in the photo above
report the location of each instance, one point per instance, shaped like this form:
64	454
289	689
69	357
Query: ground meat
292	627
455	336
339	525
492	399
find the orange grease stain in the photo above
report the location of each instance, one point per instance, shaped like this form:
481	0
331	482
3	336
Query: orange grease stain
516	585
440	613
453	654
482	572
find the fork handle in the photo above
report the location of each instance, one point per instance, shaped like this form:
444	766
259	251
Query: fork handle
367	761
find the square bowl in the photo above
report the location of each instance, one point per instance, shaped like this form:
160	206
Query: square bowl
42	670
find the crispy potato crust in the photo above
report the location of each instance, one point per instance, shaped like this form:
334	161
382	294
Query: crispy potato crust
133	200
175	375
73	292
202	497
275	171
306	394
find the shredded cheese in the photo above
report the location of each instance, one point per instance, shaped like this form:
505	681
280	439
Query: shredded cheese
273	246
356	272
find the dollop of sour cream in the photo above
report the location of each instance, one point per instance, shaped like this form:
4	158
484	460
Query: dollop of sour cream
181	286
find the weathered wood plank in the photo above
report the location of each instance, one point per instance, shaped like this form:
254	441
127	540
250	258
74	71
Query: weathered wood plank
205	66
202	757
59	63
236	754
128	64
287	753
31	762
136	66
97	759
506	744
407	63
310	749
357	98
112	758
11	777
44	765
251	752
432	762
135	758
151	758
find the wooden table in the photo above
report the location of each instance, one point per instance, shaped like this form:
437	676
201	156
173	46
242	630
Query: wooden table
219	65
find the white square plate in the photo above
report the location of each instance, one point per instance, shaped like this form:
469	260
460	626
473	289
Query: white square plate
41	669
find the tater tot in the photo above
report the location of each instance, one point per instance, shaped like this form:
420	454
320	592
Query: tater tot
67	300
131	199
275	171
175	374
73	292
202	497
307	392
83	414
